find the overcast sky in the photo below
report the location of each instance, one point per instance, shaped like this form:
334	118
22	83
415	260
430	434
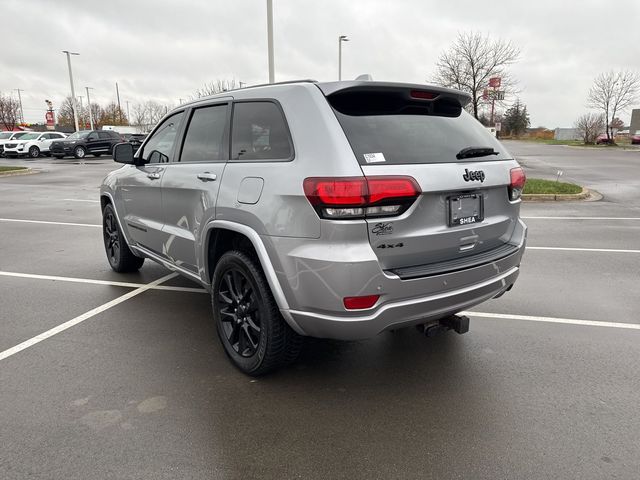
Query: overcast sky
165	50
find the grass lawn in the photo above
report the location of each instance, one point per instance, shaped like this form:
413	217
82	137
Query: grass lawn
11	169
537	185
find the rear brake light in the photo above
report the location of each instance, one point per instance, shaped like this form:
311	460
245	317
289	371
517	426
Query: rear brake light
359	303
360	197
421	94
517	181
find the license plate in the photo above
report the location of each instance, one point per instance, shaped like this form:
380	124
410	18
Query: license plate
465	209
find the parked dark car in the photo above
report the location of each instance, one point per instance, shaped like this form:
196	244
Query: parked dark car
135	139
635	139
80	144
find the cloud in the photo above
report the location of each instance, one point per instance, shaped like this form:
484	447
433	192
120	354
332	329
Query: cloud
164	50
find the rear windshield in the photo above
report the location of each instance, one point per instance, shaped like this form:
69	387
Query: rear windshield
417	136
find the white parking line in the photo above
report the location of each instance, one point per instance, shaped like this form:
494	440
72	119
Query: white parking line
99	282
17	220
572	249
81	318
581	218
569	321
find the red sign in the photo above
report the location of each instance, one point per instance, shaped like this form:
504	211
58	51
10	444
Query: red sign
494	82
50	119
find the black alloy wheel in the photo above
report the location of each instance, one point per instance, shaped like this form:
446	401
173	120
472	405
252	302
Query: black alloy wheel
249	323
121	258
240	315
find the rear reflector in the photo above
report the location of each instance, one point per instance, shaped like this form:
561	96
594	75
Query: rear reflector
359	197
517	182
359	303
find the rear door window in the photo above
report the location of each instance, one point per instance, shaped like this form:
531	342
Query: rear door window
385	131
260	132
205	137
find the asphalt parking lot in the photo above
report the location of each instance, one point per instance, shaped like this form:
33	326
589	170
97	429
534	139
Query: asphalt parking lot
122	376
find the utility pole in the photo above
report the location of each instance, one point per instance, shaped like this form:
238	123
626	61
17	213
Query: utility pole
20	101
81	120
119	109
74	104
270	39
341	38
89	106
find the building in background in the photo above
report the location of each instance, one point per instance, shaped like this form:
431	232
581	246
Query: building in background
634	127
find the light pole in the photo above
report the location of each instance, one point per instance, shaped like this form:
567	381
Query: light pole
20	100
270	39
341	38
73	92
89	107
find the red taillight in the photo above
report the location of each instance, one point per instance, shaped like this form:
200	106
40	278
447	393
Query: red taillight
359	197
421	94
336	191
359	303
516	185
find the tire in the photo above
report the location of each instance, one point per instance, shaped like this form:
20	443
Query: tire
79	152
96	154
34	152
253	333
120	257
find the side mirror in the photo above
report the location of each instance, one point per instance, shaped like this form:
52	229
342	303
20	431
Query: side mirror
123	153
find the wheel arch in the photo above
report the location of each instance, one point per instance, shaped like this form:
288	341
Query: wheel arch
222	234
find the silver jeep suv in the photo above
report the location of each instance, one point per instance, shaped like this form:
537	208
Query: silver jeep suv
336	210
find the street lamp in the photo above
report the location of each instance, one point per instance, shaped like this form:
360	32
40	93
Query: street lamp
89	107
20	100
270	40
73	92
341	38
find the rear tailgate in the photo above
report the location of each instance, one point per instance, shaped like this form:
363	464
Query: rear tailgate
463	215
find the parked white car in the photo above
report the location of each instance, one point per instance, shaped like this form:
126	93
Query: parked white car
32	144
6	137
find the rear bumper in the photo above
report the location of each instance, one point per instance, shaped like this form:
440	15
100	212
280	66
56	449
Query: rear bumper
316	278
402	313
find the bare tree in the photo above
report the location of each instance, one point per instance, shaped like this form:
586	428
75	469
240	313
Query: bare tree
214	87
471	61
146	115
65	113
589	126
612	93
9	111
112	114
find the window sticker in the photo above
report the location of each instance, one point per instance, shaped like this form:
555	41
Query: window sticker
374	157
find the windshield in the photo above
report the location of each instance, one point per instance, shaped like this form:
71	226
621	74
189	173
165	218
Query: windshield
5	135
29	136
78	135
19	135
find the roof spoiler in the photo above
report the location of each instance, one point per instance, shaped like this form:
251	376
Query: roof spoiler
424	92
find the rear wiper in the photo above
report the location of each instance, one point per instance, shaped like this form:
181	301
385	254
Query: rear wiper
471	152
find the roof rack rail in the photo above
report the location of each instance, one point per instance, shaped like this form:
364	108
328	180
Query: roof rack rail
223	93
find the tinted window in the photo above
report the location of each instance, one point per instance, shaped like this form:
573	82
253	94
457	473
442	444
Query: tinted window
204	140
104	135
435	133
160	146
259	132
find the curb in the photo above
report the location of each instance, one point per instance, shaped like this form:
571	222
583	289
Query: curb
542	197
16	173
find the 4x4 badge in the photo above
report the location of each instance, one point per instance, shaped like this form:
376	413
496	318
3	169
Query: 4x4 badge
473	175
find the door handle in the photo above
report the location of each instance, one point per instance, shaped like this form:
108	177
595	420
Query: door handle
153	176
207	177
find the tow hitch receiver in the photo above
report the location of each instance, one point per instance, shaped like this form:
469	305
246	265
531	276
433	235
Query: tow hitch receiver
457	323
